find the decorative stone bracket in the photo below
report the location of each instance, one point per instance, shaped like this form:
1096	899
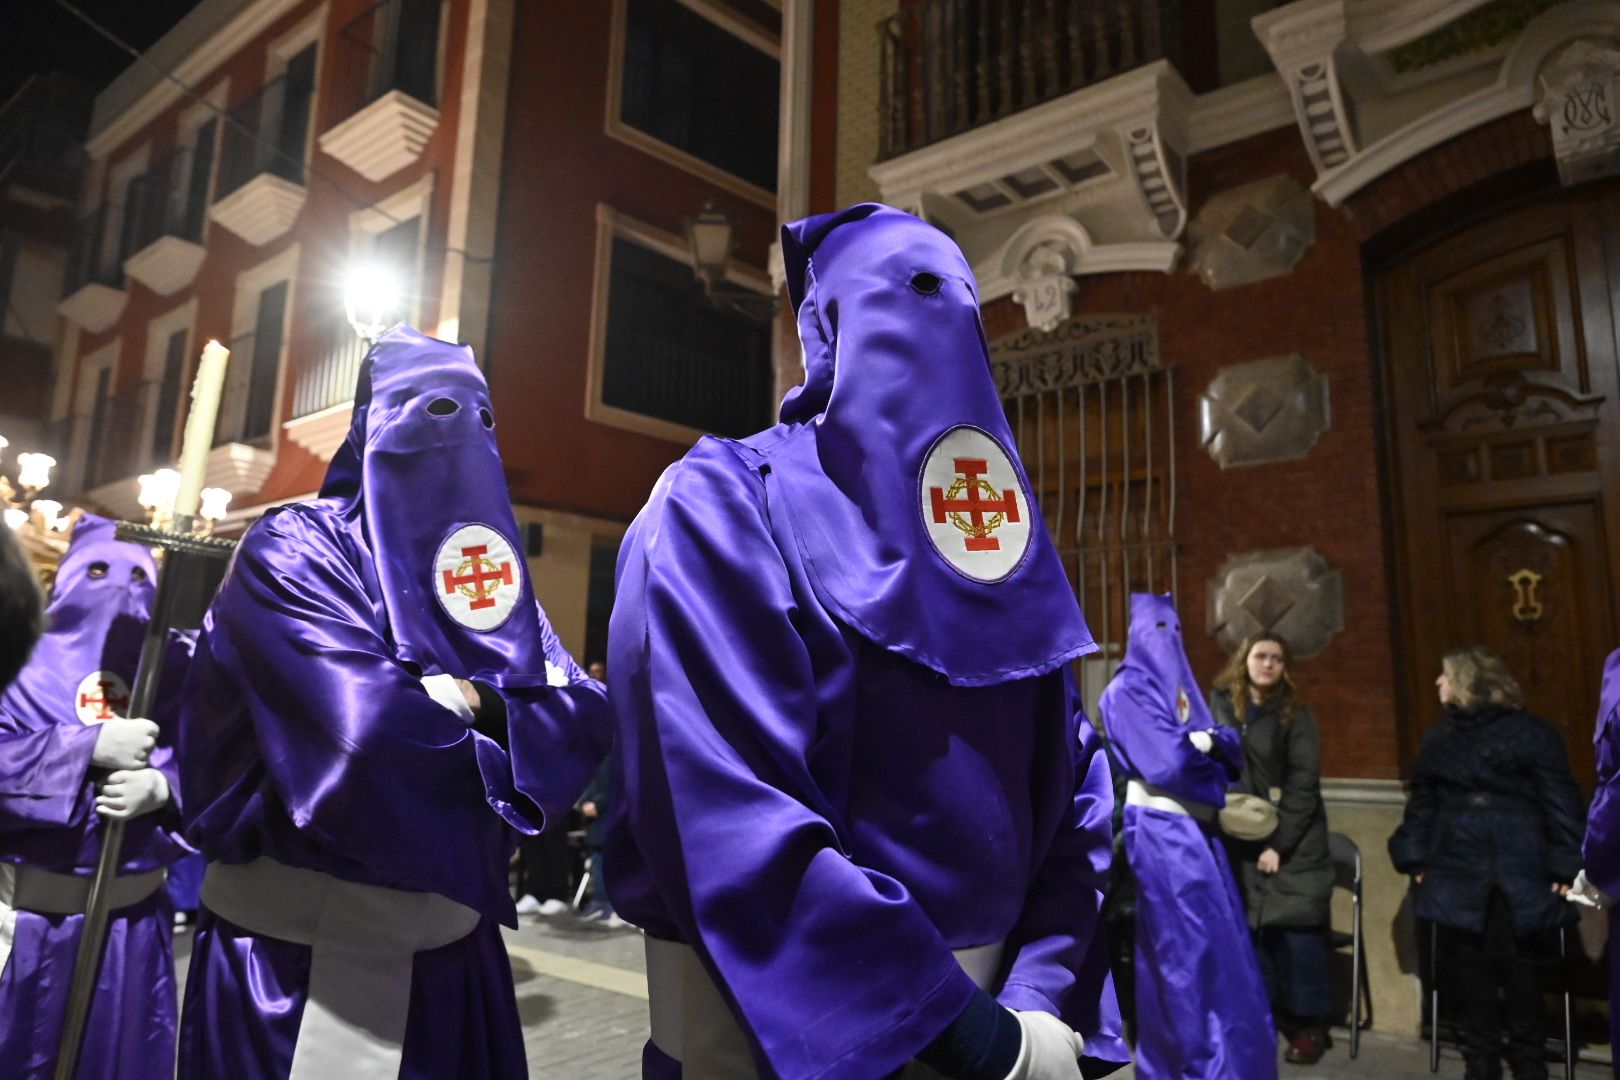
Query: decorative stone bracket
1578	102
1292	592
1263	412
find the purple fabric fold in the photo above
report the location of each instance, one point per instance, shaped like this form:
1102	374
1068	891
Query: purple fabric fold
820	817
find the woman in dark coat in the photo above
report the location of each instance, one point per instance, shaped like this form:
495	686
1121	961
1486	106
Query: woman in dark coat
1286	879
1492	837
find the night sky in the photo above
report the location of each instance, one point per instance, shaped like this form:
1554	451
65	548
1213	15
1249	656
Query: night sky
38	36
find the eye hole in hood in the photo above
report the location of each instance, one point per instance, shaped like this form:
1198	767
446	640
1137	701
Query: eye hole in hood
925	283
443	407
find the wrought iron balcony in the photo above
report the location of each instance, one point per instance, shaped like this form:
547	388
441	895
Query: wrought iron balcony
386	88
952	65
93	295
164	214
262	158
328	378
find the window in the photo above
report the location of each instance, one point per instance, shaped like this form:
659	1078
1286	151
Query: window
95	467
259	327
167	407
199	169
706	90
666	361
31	287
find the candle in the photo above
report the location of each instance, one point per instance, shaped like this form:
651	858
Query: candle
205	393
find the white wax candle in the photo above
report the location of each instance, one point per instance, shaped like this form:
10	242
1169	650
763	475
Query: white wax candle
205	393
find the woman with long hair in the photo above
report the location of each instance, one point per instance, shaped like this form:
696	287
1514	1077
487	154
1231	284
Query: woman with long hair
1287	878
1492	837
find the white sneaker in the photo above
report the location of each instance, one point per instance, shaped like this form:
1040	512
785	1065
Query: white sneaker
553	907
613	922
528	905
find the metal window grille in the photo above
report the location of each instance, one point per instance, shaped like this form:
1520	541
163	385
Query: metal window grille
1092	412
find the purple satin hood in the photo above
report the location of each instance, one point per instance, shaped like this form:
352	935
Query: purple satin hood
897	376
92	625
413	476
1156	662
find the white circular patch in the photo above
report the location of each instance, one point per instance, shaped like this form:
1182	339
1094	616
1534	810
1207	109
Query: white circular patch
976	512
1183	705
101	695
477	578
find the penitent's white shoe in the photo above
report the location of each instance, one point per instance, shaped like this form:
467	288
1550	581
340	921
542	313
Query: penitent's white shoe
554	907
528	905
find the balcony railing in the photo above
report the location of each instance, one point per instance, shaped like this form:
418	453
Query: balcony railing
168	201
393	45
952	65
97	257
697	388
265	134
328	378
120	448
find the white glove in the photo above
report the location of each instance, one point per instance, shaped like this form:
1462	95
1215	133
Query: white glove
1586	894
444	690
129	794
124	743
1051	1051
1202	740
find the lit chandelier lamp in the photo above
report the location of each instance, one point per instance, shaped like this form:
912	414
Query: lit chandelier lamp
20	486
159	491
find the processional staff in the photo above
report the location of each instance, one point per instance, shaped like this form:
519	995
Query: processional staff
192	567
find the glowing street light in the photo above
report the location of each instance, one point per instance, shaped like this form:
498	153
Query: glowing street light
371	299
34	470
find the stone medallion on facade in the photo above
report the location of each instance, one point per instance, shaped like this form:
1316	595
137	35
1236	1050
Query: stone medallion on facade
1263	411
1292	592
1251	233
1577	98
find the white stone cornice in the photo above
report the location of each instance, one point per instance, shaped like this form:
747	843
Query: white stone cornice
1303	32
239	468
166	265
94	307
384	137
1237	112
261	210
1380	25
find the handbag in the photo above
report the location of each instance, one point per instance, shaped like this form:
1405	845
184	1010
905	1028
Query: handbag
1247	817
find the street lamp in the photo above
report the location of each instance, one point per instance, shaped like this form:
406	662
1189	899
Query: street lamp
371	300
710	237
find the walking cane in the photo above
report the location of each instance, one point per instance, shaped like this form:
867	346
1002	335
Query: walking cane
193	566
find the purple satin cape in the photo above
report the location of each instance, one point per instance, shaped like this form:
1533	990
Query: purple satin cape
1601	849
1201	1005
48	820
822	818
889	369
311	740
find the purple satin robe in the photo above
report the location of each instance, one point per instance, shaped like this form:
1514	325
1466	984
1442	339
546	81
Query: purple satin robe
48	820
310	739
841	757
1201	1009
1601	849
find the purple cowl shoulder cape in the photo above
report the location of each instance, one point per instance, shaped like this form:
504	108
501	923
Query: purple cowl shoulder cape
841	756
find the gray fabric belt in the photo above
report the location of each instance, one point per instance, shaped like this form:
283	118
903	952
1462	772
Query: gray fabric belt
44	892
692	1024
363	943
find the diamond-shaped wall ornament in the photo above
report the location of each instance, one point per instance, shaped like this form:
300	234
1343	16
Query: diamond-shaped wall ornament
1292	592
1251	233
1263	411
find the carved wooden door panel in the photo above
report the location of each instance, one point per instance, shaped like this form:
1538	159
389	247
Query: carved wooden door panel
1502	393
1531	585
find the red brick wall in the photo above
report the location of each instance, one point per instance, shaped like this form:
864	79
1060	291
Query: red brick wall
1331	499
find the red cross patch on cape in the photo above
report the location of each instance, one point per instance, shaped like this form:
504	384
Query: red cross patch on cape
974	508
477	577
1183	706
101	695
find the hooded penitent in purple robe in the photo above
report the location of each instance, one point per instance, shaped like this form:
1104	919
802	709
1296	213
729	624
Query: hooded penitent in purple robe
848	742
1601	849
80	674
321	762
1201	1009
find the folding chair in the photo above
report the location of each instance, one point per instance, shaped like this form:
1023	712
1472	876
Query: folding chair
1346	858
1434	1000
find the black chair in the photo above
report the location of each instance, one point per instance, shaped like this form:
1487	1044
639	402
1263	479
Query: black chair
1346	858
1434	1000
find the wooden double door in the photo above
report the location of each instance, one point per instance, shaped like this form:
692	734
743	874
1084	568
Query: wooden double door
1502	389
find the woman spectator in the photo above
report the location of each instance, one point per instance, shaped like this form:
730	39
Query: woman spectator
1492	837
1286	879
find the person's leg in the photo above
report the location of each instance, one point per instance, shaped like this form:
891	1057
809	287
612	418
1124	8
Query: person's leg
545	870
1469	999
1306	996
1266	950
1524	1019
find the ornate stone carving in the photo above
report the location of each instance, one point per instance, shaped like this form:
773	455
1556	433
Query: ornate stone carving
1251	233
1263	411
1159	173
1576	98
1044	286
1084	350
1288	591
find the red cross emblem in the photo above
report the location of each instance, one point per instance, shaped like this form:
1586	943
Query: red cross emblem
1183	706
477	577
972	495
101	695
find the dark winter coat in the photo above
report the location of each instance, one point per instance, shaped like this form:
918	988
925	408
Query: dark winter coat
1283	763
1493	805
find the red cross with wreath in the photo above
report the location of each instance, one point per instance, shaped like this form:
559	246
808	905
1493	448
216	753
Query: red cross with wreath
106	702
972	495
480	576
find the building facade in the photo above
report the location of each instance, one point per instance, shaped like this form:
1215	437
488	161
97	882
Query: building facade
1302	311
